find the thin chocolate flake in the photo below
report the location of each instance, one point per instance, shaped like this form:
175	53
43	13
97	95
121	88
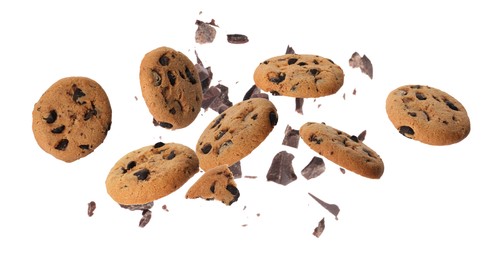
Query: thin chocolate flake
289	50
344	95
281	170
142	174
320	228
291	137
145	218
299	105
314	168
205	74
148	205
236	170
52	116
362	62
333	208
361	136
237	38
250	177
91	208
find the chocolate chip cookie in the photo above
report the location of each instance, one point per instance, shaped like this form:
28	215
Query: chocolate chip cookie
236	132
150	173
72	118
427	114
171	87
341	148
299	75
215	184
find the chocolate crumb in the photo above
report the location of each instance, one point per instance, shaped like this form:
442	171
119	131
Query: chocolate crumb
164	207
281	170
314	168
91	208
291	137
289	50
320	228
343	171
354	91
236	170
333	208
237	38
146	216
250	177
299	105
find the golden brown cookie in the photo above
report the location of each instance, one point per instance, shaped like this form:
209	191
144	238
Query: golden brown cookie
427	114
216	183
299	75
171	87
72	118
236	132
150	173
341	148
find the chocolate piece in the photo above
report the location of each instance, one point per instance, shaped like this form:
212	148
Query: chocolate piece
148	205
205	33
237	38
320	228
291	137
217	98
236	170
361	136
91	208
356	61
281	170
260	95
164	207
314	168
289	50
205	74
299	105
252	91
250	177
146	216
333	208
343	171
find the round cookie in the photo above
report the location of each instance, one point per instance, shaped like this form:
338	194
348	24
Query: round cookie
299	75
171	88
236	132
341	148
72	118
150	173
427	114
216	183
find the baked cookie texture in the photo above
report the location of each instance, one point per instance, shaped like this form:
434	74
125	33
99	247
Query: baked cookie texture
72	118
215	184
341	148
427	114
150	173
299	75
171	87
236	132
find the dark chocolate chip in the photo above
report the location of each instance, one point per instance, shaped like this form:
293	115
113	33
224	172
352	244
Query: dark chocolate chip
292	61
302	63
290	50
234	191
58	130
236	170
158	145
78	93
212	187
354	138
163	124
252	91
171	77
275	93
52	116
164	60
62	144
273	118
189	74
84	146
89	113
361	136
420	96
412	114
218	120
313	138
220	134
157	79
406	131
451	105
254	117
142	174
225	145
206	148
171	155
172	111
130	165
277	78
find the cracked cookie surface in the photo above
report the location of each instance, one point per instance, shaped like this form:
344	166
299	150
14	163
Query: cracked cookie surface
299	75
427	114
72	118
342	149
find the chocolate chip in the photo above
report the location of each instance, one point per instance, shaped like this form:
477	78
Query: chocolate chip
78	93
84	146
130	165
220	134
206	148
273	118
218	120
52	116
164	60
277	78
252	91
158	145
333	208
314	168
420	96
234	191
190	76
212	187
162	124
275	93
292	61
314	72
171	155
142	174
406	131
451	105
225	145
89	113
171	77
289	50
354	138
314	139
320	228
91	208
172	111
58	130
412	114
146	216
302	63
281	170
254	117
157	79
62	145
237	38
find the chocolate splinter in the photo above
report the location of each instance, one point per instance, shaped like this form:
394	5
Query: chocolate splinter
281	170
333	208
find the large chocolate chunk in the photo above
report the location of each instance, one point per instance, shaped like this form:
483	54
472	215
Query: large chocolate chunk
333	208
217	98
281	170
299	105
291	137
314	168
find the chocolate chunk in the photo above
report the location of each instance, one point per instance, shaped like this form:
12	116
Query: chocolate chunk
142	174
406	131
362	62
314	168
281	170
236	170
299	105
333	208
205	33
252	91
216	98
52	116
206	148
237	38
320	228
205	74
289	50
91	208
62	145
162	124
145	218
273	118
361	136
209	96
291	137
148	205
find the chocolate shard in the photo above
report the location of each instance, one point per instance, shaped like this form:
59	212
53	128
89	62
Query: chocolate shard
145	218
320	228
236	169
361	136
148	205
205	33
362	62
289	50
91	208
314	168
237	38
209	96
291	137
260	95
205	74
333	208
281	170
299	105
252	91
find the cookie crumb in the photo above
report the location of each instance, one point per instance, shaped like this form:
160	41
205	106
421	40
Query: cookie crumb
164	207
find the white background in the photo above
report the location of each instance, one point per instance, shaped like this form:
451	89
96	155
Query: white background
431	203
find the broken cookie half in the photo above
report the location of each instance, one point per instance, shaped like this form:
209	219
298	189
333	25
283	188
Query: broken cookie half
215	184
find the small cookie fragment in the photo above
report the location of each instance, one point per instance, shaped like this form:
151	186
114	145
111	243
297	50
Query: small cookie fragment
314	168
342	149
291	137
320	228
333	208
427	114
362	62
299	75
281	170
72	118
215	184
